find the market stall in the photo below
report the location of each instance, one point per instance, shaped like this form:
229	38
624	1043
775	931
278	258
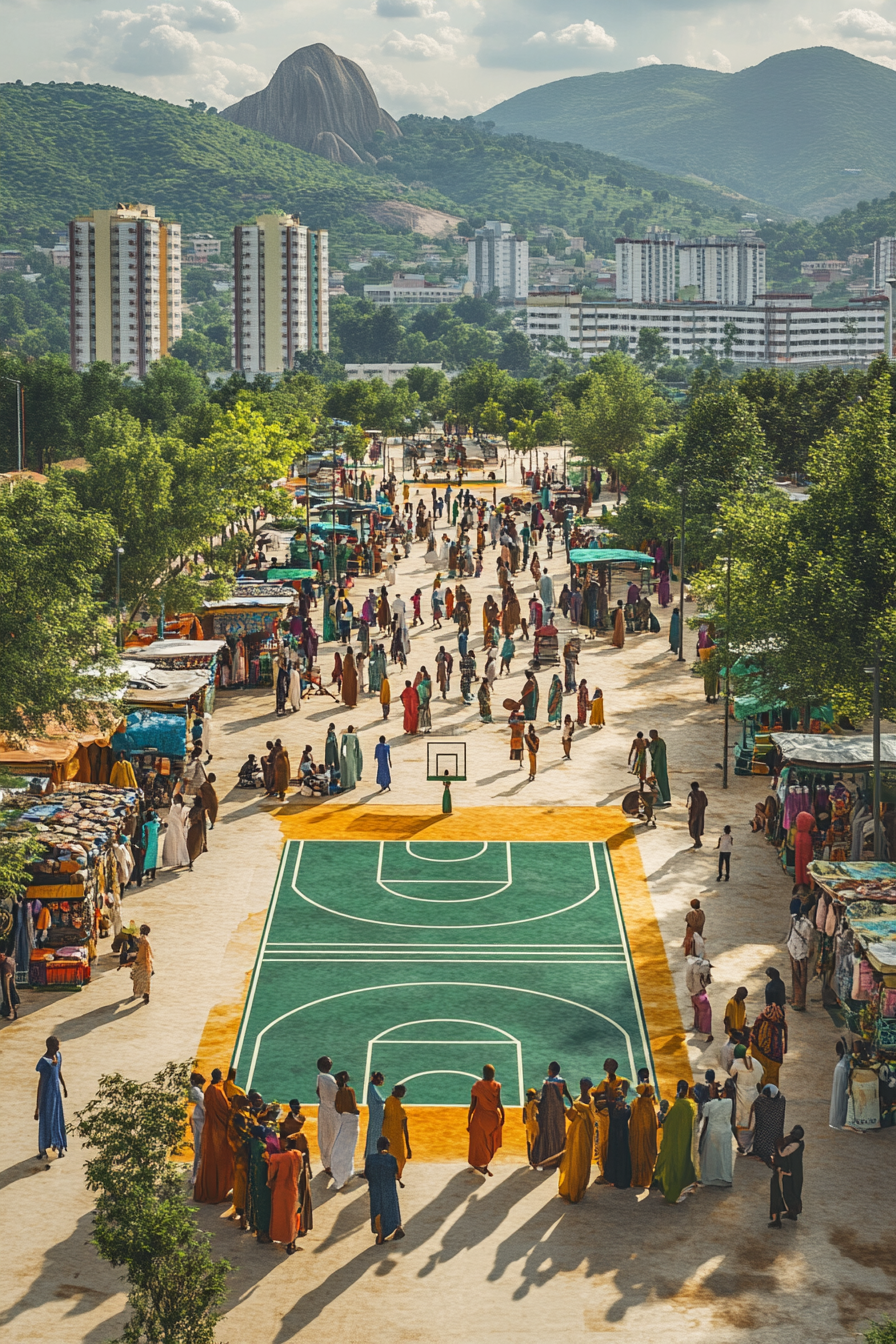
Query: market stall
185	655
855	920
826	780
591	576
160	706
248	622
83	832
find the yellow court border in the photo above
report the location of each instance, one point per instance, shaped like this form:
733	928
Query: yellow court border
437	1133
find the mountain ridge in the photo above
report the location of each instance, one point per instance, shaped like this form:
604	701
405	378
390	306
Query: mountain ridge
685	121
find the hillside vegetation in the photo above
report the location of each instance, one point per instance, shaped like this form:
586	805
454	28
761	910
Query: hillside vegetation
68	148
784	131
532	182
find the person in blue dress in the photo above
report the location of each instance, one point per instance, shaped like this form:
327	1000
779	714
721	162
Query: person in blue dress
381	1171
48	1111
150	836
383	756
376	1105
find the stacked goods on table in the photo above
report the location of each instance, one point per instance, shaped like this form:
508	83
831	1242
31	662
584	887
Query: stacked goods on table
856	919
80	827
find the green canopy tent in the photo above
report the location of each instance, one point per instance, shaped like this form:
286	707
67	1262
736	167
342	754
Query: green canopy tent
606	555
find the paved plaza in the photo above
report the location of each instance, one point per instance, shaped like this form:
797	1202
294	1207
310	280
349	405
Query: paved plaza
485	1260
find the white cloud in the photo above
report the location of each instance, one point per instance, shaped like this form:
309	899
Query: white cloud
400	95
721	62
420	47
865	23
888	61
803	24
159	44
216	15
403	9
451	34
587	34
649	60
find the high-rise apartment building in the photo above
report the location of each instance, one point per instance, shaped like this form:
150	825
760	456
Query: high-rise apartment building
723	270
498	259
884	262
645	269
125	287
281	293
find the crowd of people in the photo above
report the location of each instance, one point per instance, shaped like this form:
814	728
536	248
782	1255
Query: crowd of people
254	1153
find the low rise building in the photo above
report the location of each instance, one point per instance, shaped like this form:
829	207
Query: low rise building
777	329
884	262
414	289
390	373
810	267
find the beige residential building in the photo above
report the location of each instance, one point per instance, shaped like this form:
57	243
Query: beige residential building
125	287
281	293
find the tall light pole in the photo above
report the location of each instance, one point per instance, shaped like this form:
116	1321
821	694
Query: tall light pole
119	552
875	673
20	420
727	697
682	490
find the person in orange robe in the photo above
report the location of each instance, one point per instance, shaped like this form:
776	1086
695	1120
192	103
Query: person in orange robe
642	1132
215	1175
284	1170
411	701
485	1121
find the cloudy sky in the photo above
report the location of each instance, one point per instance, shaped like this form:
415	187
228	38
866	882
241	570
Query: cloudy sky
450	57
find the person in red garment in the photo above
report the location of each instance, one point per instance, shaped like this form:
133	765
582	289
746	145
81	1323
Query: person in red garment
284	1170
215	1175
485	1121
803	851
411	701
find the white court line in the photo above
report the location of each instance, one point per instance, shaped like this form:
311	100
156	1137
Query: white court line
396	924
460	882
387	1032
259	960
632	978
436	984
337	947
425	858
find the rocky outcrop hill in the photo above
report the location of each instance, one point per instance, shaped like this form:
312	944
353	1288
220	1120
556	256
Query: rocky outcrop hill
319	102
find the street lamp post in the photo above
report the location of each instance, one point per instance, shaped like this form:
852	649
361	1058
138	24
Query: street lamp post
727	697
20	420
682	490
875	673
119	552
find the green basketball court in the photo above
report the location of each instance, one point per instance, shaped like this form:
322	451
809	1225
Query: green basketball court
427	959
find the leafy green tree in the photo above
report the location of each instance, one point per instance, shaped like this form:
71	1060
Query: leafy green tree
143	1220
16	852
652	349
430	385
169	389
812	583
615	415
320	365
549	427
58	661
492	419
516	352
716	452
354	443
482	382
365	334
523	436
882	1332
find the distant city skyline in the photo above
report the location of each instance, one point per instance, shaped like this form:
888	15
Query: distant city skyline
437	57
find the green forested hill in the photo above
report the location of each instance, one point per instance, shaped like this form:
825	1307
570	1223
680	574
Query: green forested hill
790	130
531	182
68	148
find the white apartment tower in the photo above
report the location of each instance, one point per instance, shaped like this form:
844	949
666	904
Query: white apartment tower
884	262
125	287
724	270
280	293
498	259
645	269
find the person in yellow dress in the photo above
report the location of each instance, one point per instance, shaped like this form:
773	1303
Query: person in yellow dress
385	699
395	1127
597	709
642	1132
575	1164
612	1083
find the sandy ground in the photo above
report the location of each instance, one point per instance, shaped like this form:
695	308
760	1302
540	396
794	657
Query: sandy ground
478	1256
